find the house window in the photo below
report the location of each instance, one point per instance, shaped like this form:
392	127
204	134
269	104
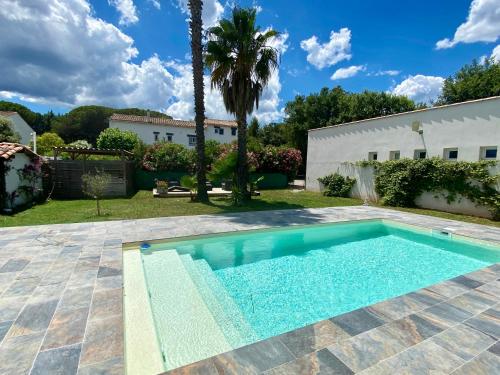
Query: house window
419	154
216	128
450	153
233	131
219	130
489	152
192	140
372	156
394	155
170	137
156	136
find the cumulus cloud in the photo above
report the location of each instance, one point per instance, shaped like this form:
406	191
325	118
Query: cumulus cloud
420	88
155	3
212	11
386	73
127	10
57	52
482	25
495	55
344	73
322	55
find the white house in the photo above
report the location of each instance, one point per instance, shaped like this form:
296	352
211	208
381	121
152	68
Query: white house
19	125
154	129
467	131
13	158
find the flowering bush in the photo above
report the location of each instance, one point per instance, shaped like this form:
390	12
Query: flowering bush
167	156
284	160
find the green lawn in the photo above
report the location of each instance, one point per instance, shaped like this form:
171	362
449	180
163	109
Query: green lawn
143	205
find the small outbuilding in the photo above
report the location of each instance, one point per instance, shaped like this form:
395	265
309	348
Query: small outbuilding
20	175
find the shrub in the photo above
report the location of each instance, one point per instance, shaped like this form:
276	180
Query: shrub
80	143
284	160
47	141
94	185
166	156
7	133
113	138
337	185
400	182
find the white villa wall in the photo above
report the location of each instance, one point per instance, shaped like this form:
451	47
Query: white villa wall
12	180
146	132
466	126
21	127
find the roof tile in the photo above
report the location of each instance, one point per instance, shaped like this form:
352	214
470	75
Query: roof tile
170	122
9	149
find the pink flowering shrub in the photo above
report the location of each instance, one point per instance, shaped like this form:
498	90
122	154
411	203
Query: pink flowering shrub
284	160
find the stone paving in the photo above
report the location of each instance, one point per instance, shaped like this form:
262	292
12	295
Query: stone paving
61	305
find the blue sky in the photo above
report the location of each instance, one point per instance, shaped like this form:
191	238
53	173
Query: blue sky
122	53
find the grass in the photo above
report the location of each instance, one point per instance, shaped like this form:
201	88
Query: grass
143	205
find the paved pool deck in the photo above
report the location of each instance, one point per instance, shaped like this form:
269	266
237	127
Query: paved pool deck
61	302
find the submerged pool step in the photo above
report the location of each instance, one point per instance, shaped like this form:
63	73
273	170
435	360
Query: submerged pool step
247	333
225	312
185	326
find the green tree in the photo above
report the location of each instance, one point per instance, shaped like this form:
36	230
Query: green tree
94	185
81	143
113	138
241	63
7	133
46	142
473	81
253	128
274	134
196	27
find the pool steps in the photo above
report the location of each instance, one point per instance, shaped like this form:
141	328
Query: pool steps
187	329
224	309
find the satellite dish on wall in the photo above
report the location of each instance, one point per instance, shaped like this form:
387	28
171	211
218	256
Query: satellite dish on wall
416	126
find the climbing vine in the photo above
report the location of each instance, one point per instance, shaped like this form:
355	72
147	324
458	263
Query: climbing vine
337	185
400	182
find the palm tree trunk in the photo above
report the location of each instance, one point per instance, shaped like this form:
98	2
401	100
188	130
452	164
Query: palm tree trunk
242	165
196	26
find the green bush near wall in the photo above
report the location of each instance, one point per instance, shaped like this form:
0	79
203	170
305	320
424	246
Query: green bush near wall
145	180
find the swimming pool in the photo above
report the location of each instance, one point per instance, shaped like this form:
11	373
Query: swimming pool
211	294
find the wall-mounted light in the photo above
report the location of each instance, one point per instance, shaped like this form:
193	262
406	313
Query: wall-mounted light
416	126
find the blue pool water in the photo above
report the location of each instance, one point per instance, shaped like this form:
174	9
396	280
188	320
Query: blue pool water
284	279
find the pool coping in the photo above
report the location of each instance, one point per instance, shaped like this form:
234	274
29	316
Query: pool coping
77	268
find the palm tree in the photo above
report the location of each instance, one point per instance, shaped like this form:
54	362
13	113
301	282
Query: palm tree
196	27
241	64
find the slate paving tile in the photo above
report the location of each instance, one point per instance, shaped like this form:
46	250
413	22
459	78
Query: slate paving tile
4	328
61	361
57	275
487	322
82	279
495	348
465	281
34	317
103	340
106	303
427	297
396	308
14	265
463	341
485	363
113	366
22	287
322	362
411	330
10	307
424	358
206	367
357	321
107	283
254	358
448	289
66	328
367	349
109	269
492	288
474	301
46	292
90	263
18	353
445	315
313	337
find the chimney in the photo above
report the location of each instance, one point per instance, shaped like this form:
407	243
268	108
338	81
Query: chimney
148	116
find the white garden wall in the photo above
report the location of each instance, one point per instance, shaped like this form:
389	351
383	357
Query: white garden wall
12	180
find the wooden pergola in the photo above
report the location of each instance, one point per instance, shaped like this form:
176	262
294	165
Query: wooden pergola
76	152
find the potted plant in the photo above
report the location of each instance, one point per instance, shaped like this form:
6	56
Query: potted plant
162	186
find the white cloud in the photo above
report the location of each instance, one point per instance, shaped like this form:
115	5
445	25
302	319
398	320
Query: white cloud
495	55
344	73
386	73
155	3
420	88
212	11
338	48
127	10
59	53
482	25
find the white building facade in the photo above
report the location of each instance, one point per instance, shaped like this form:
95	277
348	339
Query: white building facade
157	129
20	126
468	131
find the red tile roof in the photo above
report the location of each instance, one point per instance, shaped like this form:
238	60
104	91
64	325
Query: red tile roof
170	122
9	149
